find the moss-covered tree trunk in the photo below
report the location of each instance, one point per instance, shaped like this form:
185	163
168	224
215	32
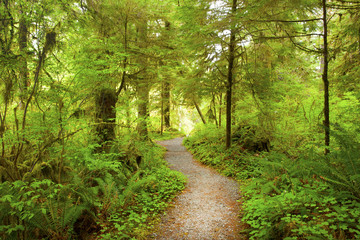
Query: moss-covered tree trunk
105	103
23	76
143	83
325	78
143	90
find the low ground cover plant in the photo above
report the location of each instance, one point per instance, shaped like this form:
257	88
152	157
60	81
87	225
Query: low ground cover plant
103	195
310	196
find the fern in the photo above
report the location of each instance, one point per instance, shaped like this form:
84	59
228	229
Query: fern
311	196
133	187
44	207
340	168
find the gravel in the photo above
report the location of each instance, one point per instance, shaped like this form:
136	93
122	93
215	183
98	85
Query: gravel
207	208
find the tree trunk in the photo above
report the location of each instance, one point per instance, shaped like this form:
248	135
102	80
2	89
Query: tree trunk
220	109
105	103
167	89
166	102
142	84
123	77
199	111
162	111
214	106
230	76
143	90
326	80
24	73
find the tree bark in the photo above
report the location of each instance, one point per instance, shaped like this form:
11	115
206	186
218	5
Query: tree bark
142	84
143	109
167	90
166	103
162	111
199	111
220	109
325	79
230	75
105	103
215	114
24	73
123	77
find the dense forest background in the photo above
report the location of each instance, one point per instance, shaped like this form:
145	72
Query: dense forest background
268	91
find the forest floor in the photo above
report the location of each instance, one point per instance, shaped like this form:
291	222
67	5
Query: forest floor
208	208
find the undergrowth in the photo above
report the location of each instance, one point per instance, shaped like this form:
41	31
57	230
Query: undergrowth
109	195
310	196
207	146
170	133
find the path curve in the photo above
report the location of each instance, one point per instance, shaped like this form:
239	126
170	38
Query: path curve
207	208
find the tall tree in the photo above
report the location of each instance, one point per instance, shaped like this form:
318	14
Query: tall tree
325	76
23	43
167	86
230	74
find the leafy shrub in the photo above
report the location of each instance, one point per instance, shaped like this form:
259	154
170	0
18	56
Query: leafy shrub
105	195
311	197
132	193
169	133
149	196
207	144
38	209
285	197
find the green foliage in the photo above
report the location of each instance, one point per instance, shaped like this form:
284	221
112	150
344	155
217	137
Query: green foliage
39	209
207	145
311	197
133	192
65	164
308	211
146	198
167	134
114	190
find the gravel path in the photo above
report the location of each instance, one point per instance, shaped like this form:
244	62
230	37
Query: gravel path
207	208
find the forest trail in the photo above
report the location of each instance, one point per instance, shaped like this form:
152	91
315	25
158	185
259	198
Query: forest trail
207	208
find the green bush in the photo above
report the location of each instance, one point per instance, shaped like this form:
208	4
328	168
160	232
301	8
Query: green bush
291	197
105	195
39	209
207	144
311	197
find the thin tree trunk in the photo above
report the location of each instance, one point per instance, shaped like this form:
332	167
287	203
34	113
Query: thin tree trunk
214	106
220	109
142	85
326	80
199	111
167	103
167	89
230	76
162	111
23	40
123	77
127	109
143	110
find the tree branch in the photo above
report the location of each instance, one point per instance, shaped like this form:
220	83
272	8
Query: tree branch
221	73
302	47
287	21
342	7
293	36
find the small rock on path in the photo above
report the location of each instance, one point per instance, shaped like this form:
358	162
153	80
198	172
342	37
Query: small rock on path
207	208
